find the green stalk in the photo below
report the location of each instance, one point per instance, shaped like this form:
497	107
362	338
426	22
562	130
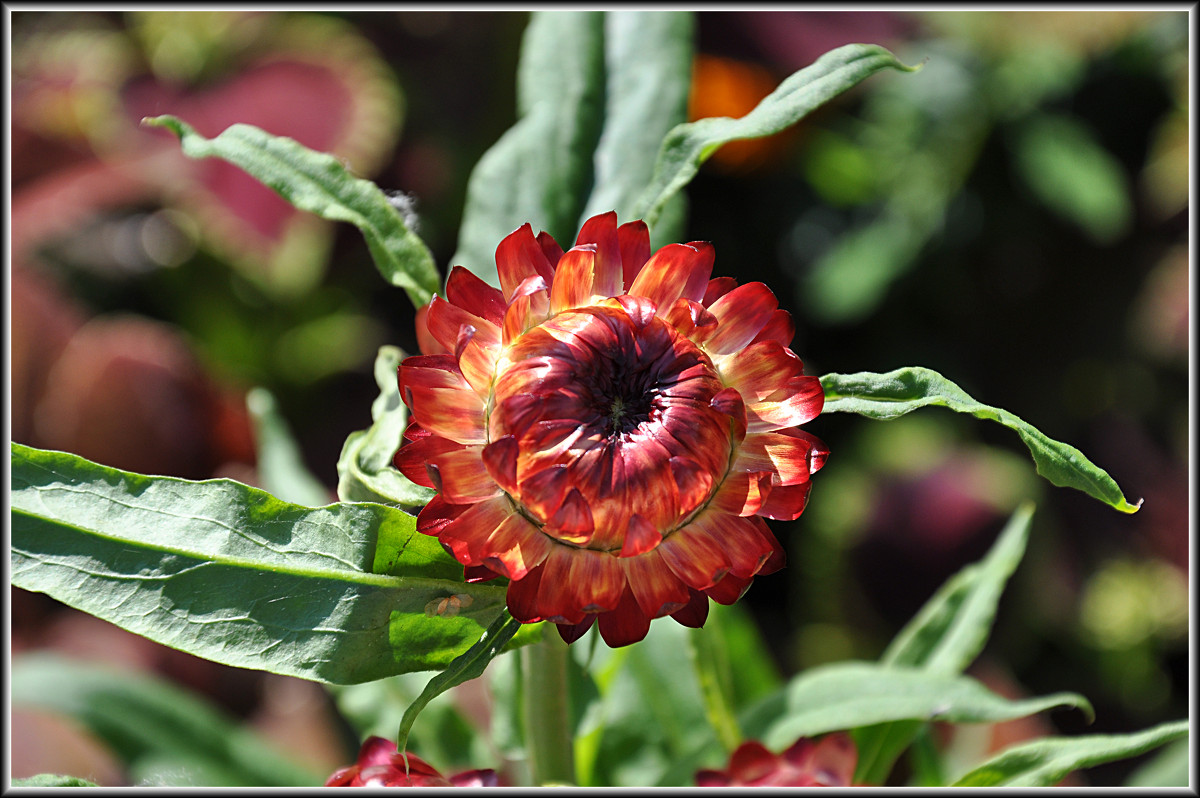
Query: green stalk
548	712
710	664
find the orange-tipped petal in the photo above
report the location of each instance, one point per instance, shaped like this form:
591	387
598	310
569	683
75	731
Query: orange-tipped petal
691	318
693	483
516	547
672	270
460	475
657	590
601	230
556	597
426	343
788	453
445	321
449	412
745	548
500	459
573	521
696	558
596	579
530	307
573	279
466	536
742	493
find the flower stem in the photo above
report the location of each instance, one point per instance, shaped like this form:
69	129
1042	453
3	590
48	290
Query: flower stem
546	695
709	660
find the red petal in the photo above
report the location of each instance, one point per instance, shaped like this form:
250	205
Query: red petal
530	307
544	491
516	547
635	249
500	459
729	402
695	612
476	360
802	403
601	230
519	256
780	328
729	589
470	293
831	762
435	515
741	314
624	625
690	318
742	493
425	340
573	521
693	483
411	458
572	632
786	502
671	272
550	248
449	412
657	590
429	371
473	574
694	557
555	599
761	369
752	761
596	579
640	537
522	596
717	288
462	476
787	455
466	536
745	547
573	279
446	319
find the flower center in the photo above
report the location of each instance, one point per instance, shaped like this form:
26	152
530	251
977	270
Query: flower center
609	408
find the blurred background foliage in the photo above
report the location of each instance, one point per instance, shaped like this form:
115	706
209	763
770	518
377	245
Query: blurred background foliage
1014	216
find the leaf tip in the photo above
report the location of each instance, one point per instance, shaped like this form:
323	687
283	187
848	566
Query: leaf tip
174	124
1128	508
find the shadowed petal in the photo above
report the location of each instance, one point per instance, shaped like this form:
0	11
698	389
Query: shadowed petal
640	538
516	547
693	483
634	238
717	288
786	502
460	475
745	548
445	320
426	343
779	328
695	612
596	579
742	493
550	248
694	557
500	459
572	632
522	596
624	625
466	536
435	516
690	318
657	590
555	599
729	589
411	458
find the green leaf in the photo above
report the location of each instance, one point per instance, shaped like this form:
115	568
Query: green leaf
230	573
1046	761
320	183
280	463
52	780
469	665
890	395
142	718
945	636
540	170
365	471
1168	768
847	695
648	65
690	144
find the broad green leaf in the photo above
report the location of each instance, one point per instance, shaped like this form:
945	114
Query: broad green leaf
365	471
280	464
1046	761
468	665
890	395
319	183
1168	768
847	695
53	780
690	144
540	170
648	65
945	636
141	717
230	573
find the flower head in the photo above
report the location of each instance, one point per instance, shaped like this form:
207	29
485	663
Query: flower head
609	428
379	764
828	763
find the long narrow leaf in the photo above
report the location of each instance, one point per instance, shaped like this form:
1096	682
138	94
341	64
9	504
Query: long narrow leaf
1045	762
321	184
540	171
689	145
847	695
230	573
142	718
890	395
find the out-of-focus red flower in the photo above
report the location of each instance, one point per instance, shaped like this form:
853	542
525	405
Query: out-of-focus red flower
609	429
381	765
828	763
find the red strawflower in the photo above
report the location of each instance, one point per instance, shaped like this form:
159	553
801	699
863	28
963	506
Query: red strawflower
828	763
609	428
381	765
